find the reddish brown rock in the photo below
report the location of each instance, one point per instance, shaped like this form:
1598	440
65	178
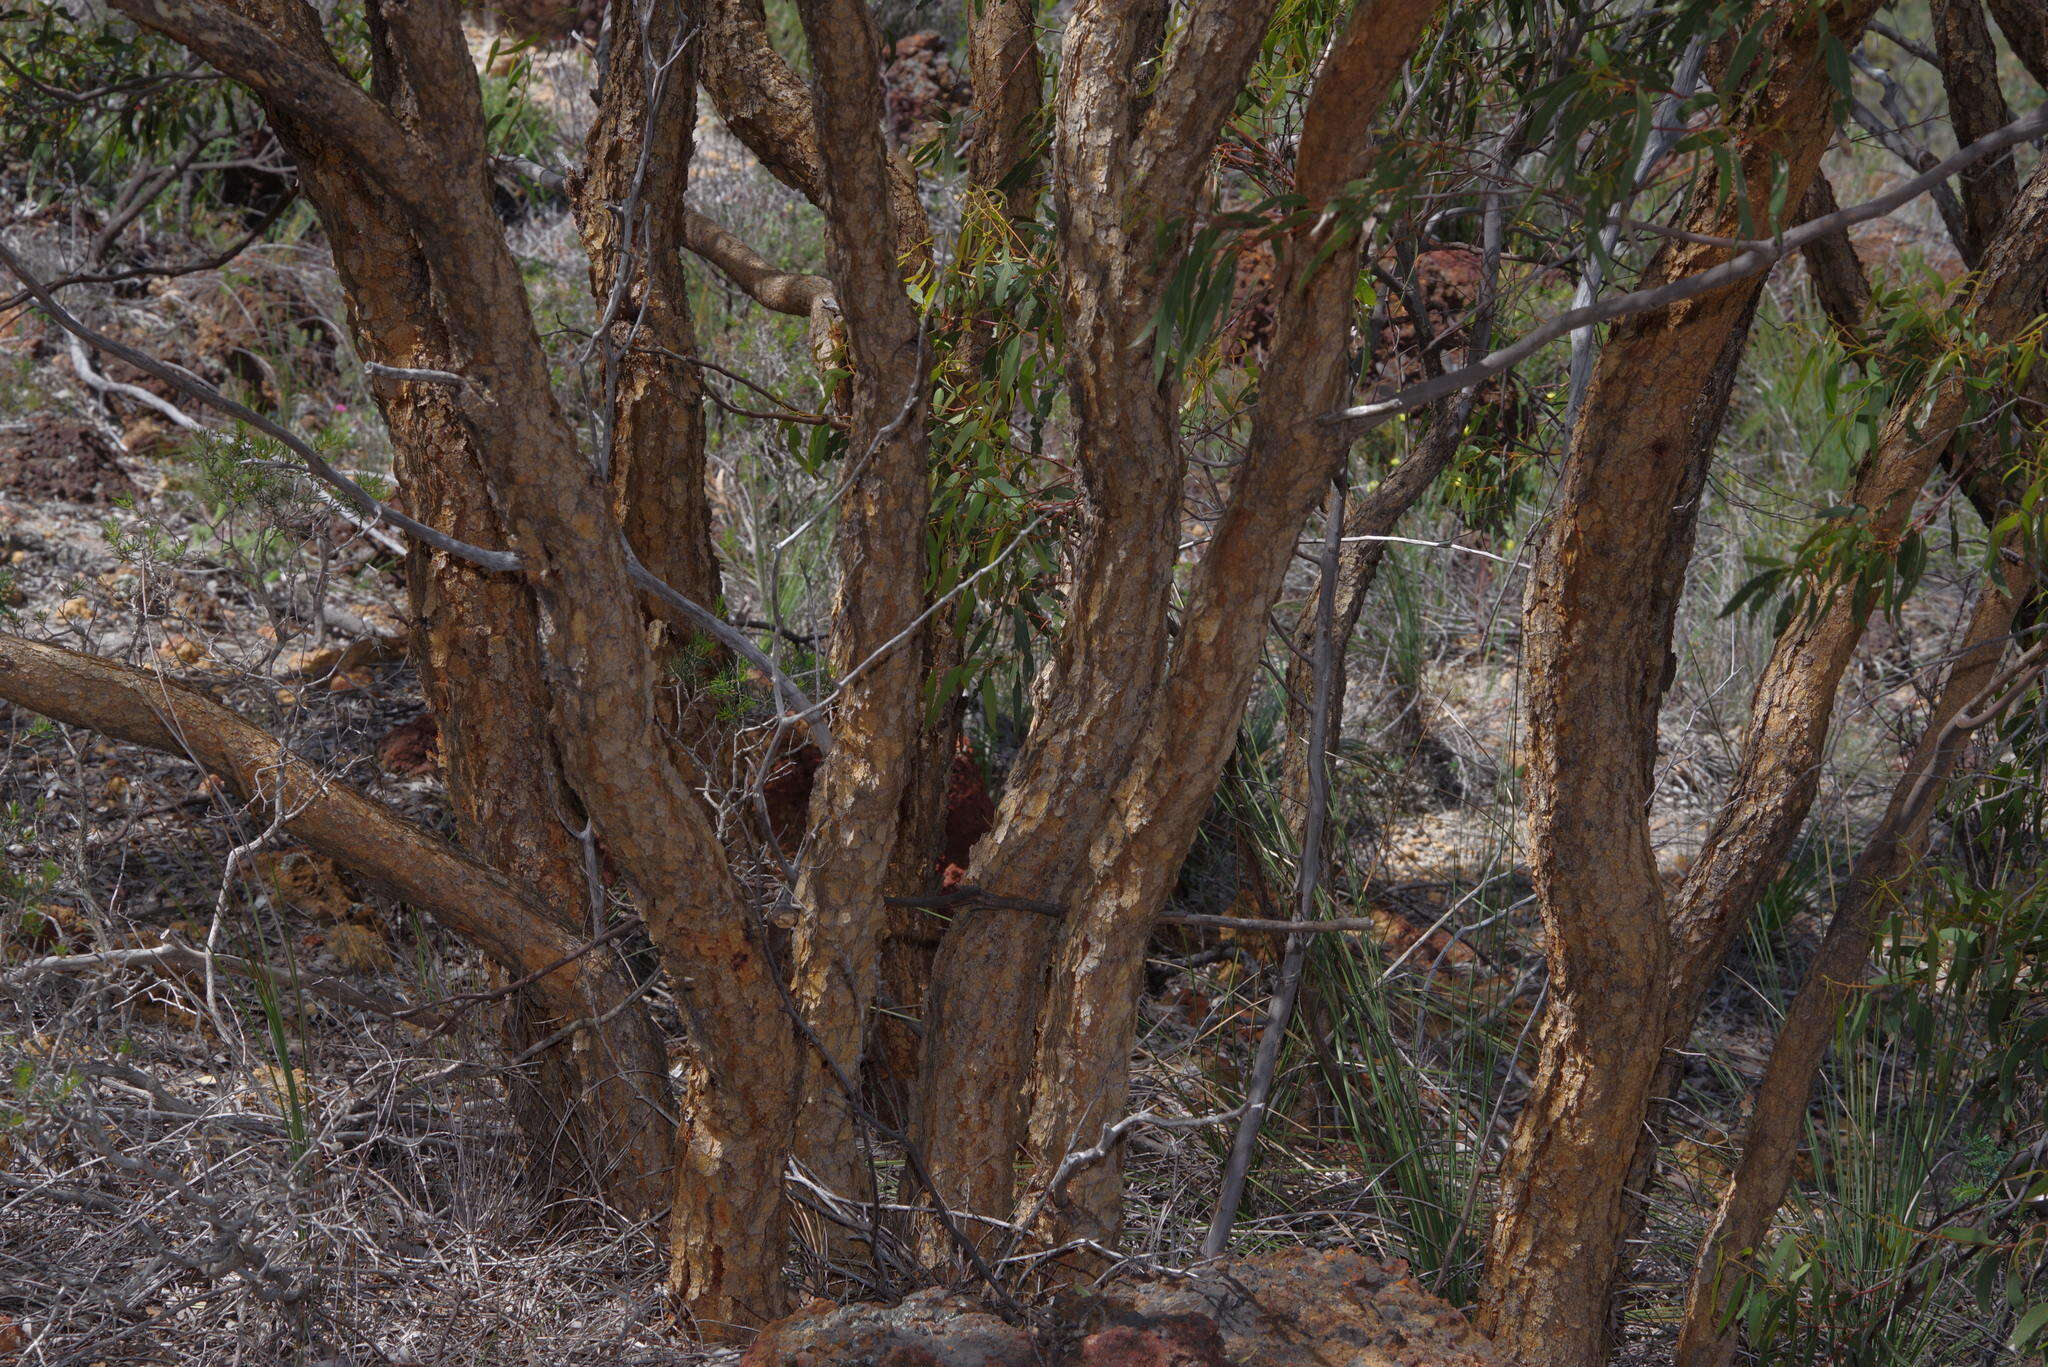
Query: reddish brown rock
1304	1307
1295	1308
412	749
970	812
63	460
1156	1341
920	86
929	1329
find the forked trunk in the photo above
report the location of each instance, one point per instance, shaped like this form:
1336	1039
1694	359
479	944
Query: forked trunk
877	657
631	213
474	643
989	973
726	1221
1602	595
1088	1024
1970	697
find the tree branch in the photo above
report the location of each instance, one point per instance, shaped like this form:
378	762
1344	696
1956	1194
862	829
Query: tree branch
377	511
1753	256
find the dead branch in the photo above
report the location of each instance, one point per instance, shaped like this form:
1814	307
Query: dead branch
1753	257
174	953
476	903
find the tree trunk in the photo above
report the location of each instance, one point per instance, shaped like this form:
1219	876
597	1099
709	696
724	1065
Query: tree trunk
990	968
1794	701
1976	106
1602	595
632	216
1777	774
1840	285
1088	1024
876	655
473	633
1004	70
1710	1331
766	105
2025	26
726	1223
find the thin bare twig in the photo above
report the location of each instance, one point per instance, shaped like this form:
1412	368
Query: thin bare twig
1280	1012
377	511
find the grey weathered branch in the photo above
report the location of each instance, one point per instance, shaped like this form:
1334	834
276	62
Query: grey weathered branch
1752	257
770	286
376	510
172	954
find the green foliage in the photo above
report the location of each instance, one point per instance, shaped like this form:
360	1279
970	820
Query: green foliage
1198	294
24	882
148	104
1926	352
1415	1064
991	540
514	125
1914	1242
1398	1071
1844	553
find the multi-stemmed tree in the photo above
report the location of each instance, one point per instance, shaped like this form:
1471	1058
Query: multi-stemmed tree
564	589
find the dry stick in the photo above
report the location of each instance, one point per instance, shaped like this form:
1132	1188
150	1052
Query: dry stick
1281	1011
1665	135
913	1155
475	902
1079	1159
174	952
776	289
971	896
1335	925
448	1011
358	499
81	365
208	263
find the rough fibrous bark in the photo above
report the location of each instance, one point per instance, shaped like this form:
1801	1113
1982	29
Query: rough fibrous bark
2025	26
1081	1076
1976	106
1601	597
726	1220
1776	779
1840	285
473	632
880	546
1794	701
1003	68
767	106
1120	179
1003	64
1709	1334
630	210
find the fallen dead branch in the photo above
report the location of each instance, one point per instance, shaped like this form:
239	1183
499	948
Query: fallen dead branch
476	903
